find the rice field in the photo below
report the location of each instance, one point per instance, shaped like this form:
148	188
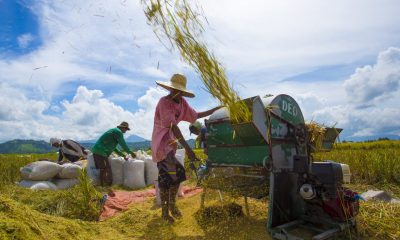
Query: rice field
26	214
370	162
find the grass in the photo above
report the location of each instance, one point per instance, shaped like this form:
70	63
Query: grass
26	214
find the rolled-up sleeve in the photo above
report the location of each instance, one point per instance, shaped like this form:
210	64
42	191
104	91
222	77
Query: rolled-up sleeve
189	114
122	143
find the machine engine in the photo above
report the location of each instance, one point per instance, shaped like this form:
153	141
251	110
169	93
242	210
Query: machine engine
325	195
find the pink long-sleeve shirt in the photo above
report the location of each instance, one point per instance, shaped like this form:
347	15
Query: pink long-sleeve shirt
168	113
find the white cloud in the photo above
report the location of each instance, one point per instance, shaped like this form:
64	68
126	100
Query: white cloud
108	45
371	105
374	84
15	106
271	35
104	43
24	40
85	117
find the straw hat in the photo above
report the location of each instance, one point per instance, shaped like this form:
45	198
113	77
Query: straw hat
177	82
124	125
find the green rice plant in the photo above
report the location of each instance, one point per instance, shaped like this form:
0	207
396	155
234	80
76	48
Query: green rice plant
80	202
182	25
370	163
88	198
383	144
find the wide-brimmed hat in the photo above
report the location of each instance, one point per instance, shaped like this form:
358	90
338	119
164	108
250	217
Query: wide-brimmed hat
124	125
177	82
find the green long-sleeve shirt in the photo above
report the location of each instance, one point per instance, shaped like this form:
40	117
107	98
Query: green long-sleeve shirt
108	142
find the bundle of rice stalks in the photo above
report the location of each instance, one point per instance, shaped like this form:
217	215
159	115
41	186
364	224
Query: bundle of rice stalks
316	134
182	26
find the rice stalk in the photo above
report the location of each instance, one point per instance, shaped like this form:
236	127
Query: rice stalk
316	134
182	26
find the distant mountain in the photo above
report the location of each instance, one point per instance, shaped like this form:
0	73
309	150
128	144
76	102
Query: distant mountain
32	146
135	138
26	147
370	138
131	139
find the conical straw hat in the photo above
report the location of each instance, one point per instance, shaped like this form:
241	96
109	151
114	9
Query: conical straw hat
177	82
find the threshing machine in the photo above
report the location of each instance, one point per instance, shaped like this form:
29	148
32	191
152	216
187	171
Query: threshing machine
270	156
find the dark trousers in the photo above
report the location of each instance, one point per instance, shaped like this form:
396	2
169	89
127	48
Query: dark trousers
170	174
104	166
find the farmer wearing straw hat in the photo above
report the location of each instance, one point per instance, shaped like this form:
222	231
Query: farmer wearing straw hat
107	144
170	110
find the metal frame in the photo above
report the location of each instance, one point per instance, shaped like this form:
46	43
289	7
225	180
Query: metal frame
332	229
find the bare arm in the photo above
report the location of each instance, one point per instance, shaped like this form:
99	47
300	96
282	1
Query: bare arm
208	112
178	134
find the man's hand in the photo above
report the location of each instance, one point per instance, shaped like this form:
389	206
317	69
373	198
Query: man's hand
126	157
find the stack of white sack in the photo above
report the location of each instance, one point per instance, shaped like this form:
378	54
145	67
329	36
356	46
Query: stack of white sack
117	170
49	175
134	173
150	167
130	173
92	172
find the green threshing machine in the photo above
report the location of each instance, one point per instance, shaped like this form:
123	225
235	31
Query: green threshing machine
270	155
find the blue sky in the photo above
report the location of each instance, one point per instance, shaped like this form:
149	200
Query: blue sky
73	69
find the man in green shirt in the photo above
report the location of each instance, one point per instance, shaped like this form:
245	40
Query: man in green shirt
103	148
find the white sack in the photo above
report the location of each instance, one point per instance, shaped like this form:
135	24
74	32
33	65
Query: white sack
44	185
141	155
117	170
28	183
180	156
134	174
151	170
92	172
65	183
70	171
40	170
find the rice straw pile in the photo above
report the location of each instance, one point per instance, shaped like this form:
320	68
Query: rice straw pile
379	220
182	26
316	133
